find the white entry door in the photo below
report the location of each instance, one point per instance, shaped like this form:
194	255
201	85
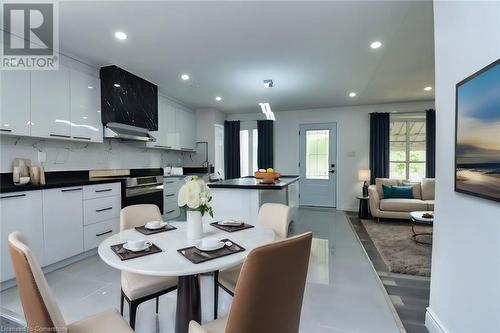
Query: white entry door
318	159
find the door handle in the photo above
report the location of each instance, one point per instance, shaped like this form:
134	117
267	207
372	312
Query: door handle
331	171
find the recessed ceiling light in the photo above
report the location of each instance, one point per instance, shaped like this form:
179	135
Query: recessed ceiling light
120	35
376	44
90	87
352	94
218	98
116	85
429	88
185	77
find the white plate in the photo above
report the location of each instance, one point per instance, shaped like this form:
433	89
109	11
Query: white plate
219	245
230	223
154	228
125	246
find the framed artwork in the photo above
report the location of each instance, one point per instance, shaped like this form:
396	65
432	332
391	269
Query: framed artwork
477	134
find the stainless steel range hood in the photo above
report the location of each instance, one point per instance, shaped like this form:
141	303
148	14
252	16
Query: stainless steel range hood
127	132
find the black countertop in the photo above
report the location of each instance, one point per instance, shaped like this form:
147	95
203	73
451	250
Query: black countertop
252	183
53	179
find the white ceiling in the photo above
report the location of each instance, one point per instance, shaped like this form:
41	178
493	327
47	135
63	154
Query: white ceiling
316	52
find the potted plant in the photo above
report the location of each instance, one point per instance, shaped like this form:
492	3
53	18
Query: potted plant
195	196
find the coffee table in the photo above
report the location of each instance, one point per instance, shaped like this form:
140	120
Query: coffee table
417	218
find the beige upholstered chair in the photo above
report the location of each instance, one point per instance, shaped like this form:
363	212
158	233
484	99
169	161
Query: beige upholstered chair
40	308
271	215
137	288
269	293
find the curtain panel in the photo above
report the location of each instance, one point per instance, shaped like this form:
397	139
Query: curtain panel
265	146
430	149
379	145
232	149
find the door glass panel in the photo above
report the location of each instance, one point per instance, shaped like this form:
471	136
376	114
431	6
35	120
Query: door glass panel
417	171
398	131
398	151
317	149
398	170
417	151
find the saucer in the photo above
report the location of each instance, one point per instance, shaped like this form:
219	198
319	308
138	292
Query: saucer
146	246
147	226
217	246
230	223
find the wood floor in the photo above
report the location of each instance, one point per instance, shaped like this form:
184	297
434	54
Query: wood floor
408	293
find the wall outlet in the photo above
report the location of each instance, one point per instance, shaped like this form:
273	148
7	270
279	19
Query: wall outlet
42	157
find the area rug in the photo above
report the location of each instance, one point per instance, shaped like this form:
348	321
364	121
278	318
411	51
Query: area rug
398	250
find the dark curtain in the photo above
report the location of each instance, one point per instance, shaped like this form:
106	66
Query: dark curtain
232	149
379	145
265	146
430	149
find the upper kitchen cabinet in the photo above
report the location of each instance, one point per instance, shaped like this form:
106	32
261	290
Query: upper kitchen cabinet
185	124
50	103
85	107
166	126
15	102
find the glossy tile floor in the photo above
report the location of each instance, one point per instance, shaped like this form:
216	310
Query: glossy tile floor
343	293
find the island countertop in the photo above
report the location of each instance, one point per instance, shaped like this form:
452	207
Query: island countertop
253	183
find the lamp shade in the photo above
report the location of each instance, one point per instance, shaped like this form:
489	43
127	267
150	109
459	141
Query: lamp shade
364	175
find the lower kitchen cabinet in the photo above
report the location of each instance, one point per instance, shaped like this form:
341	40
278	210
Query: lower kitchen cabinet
95	233
20	211
62	223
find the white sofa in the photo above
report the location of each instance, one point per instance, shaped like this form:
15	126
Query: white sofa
423	198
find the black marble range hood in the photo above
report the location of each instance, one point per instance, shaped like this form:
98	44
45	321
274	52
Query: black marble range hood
129	100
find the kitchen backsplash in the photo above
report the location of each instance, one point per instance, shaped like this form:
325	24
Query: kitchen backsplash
66	155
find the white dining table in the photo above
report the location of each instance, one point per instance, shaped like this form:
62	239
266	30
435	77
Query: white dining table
170	262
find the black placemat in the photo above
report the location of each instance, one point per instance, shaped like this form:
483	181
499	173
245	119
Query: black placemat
196	256
125	254
145	231
230	228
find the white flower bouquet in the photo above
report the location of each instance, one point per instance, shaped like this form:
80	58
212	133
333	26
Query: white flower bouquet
195	195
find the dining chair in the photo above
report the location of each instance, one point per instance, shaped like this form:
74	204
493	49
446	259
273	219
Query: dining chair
137	288
275	216
269	293
40	308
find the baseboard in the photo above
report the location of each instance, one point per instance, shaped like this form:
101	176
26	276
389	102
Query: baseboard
432	322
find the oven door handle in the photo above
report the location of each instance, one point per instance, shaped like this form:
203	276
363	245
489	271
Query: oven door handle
134	192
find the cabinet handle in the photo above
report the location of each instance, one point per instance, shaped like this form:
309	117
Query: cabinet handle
169	195
104	190
169	182
190	149
59	135
13	196
104	233
72	189
81	138
170	211
160	146
5	130
103	209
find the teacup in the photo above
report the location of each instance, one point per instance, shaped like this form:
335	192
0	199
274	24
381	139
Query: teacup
138	244
209	242
154	224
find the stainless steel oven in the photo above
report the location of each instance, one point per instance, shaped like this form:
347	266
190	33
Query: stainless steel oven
144	190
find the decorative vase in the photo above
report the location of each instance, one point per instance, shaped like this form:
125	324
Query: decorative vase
194	225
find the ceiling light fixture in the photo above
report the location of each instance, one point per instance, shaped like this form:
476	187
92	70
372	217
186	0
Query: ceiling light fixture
376	44
185	77
116	85
120	35
218	98
268	83
90	87
429	88
352	94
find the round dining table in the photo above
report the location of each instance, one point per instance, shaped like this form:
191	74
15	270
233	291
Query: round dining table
170	262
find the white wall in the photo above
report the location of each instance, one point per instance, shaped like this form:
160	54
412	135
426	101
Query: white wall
465	278
353	130
205	131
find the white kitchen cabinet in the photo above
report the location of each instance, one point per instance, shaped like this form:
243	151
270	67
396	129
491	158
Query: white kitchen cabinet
185	124
95	233
50	103
20	211
171	186
85	112
15	102
166	126
62	223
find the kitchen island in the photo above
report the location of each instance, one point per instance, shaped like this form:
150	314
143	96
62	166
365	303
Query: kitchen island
240	198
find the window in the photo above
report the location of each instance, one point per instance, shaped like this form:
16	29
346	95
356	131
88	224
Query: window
219	150
407	147
317	148
248	151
